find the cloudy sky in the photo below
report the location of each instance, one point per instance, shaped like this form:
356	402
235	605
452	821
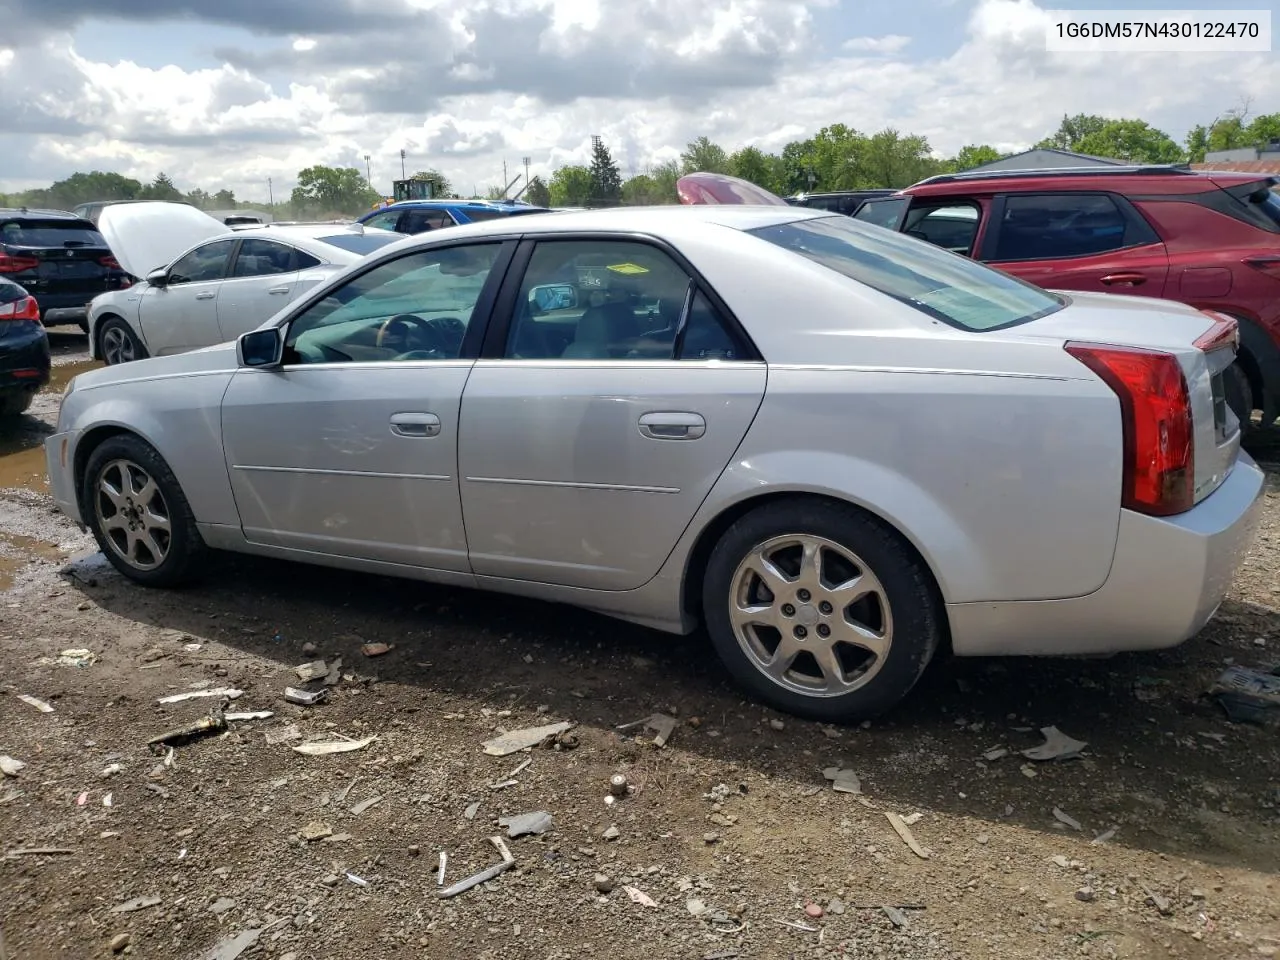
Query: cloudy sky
229	93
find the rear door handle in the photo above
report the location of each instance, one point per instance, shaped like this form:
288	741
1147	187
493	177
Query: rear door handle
672	426
279	290
205	296
415	425
1125	279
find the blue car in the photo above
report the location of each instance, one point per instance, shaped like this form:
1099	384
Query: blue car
419	216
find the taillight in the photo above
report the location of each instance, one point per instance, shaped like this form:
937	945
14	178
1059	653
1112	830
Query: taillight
110	262
25	309
10	264
1268	265
1225	332
1155	411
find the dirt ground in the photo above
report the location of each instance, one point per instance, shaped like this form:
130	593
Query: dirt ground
731	831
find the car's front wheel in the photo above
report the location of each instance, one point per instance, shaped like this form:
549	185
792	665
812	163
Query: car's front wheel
117	343
820	610
139	514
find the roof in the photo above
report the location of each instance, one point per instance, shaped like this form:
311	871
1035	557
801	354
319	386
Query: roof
444	202
658	219
1089	159
300	231
39	212
1239	166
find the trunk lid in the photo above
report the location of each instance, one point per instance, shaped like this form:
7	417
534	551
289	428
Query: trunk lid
145	236
56	256
1173	328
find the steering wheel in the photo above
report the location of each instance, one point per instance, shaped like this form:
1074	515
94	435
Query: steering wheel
412	334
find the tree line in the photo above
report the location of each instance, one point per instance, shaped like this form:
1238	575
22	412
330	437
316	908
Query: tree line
837	157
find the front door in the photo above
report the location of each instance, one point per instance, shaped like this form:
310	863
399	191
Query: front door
601	416
350	448
182	315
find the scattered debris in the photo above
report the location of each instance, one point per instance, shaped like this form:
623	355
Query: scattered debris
214	722
538	822
11	767
376	649
249	715
1064	818
903	831
639	896
77	658
231	947
312	671
1162	904
33	702
1103	837
334	675
283	735
912	819
843	780
227	693
603	883
110	770
812	910
39	852
316	830
796	926
472	810
777	724
1085	895
1057	746
1028	771
358	881
1248	696
345	792
309	649
444	862
338	838
120	942
137	903
221	906
484	876
618	785
1060	861
661	725
516	740
304	698
896	916
695	907
611	833
995	753
323	748
364	805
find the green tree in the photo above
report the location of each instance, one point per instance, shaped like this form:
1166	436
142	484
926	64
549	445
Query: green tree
703	156
643	191
890	159
664	177
224	200
1227	132
1197	143
199	198
1263	129
325	190
974	155
537	192
606	181
162	188
1072	130
440	186
571	187
762	169
1134	140
82	188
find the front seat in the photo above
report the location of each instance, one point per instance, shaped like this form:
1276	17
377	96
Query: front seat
600	329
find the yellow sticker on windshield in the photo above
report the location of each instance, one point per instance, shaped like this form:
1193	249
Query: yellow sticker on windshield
628	268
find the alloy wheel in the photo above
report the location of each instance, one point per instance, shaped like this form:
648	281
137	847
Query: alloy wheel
132	514
117	346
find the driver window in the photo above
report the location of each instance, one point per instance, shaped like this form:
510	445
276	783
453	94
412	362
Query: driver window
207	262
417	307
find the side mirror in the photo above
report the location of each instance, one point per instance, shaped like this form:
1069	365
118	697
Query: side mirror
261	348
553	296
158	277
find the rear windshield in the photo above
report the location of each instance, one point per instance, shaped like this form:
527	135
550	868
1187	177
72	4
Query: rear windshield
1262	197
11	292
360	243
943	285
50	233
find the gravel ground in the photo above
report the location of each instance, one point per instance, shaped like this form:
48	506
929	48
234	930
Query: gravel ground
733	840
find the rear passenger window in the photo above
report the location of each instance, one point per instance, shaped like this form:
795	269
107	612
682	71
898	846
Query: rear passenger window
1053	226
706	336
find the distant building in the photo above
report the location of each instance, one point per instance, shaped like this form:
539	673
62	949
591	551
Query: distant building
1263	159
1048	158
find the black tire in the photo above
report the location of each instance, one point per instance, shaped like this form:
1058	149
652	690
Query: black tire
131	348
914	607
183	548
14	403
1239	396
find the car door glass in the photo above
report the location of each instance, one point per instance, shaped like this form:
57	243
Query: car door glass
883	213
598	300
1052	226
384	221
438	219
417	307
260	258
953	227
206	262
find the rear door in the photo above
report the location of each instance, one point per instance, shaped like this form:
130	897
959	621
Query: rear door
262	279
1095	242
183	314
612	391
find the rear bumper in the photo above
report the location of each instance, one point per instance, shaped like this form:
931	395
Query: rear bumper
24	356
1167	579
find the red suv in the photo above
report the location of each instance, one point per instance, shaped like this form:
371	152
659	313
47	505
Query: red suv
1208	239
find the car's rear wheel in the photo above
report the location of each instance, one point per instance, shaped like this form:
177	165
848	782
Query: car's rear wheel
14	403
117	343
821	610
139	514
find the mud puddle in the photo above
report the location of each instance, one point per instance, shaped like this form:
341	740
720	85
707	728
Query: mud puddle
22	441
17	550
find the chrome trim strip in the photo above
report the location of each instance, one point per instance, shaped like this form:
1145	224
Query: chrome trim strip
568	484
341	473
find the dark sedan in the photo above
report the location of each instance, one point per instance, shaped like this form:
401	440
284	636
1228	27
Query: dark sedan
24	349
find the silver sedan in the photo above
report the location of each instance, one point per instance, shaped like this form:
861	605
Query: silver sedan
837	447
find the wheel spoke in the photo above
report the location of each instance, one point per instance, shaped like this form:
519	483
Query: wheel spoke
828	660
783	657
861	636
811	565
111	493
852	590
116	521
756	615
146	493
774	579
148	540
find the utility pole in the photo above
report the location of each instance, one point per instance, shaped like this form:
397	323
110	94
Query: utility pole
402	176
368	171
504	178
526	172
271	195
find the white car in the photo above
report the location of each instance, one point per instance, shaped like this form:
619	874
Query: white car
200	282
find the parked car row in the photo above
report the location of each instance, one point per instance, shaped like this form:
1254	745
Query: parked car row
838	447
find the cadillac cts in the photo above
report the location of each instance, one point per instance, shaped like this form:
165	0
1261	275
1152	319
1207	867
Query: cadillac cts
838	447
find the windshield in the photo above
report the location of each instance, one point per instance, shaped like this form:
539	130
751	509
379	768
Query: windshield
50	233
945	286
361	243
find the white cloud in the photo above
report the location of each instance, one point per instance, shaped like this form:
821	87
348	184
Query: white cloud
464	85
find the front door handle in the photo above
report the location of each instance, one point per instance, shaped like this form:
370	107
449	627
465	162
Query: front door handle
672	426
205	296
1124	279
415	425
275	290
